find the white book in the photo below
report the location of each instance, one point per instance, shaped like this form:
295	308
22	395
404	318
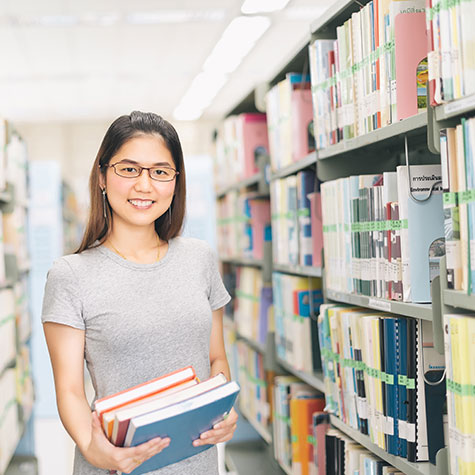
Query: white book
422	179
179	394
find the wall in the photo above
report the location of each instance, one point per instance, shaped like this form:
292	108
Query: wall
75	145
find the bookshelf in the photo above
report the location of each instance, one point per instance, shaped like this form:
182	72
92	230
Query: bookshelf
256	346
247	183
302	164
402	464
456	108
380	138
304	271
375	152
313	379
423	311
242	261
16	384
262	431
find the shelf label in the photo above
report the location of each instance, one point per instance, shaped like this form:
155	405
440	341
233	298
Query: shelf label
457	106
379	305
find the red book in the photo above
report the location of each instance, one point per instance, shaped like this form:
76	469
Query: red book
143	390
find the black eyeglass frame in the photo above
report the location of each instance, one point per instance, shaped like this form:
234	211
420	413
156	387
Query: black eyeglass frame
141	169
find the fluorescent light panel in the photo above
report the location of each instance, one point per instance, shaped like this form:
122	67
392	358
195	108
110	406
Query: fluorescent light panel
235	43
250	7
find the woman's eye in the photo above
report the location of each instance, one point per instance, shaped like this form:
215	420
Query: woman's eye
160	171
130	170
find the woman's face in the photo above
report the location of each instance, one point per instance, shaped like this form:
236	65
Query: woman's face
140	201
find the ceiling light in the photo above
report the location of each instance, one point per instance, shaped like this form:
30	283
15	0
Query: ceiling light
250	7
236	42
174	16
202	91
56	20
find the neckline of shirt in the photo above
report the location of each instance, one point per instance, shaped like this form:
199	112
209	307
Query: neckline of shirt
137	265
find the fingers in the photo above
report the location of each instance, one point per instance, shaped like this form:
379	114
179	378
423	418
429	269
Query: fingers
138	455
221	432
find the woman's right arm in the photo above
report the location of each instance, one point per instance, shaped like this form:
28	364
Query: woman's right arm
66	349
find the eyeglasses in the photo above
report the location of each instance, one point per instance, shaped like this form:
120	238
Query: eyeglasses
129	170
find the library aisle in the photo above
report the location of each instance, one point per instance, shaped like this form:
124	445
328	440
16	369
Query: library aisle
330	165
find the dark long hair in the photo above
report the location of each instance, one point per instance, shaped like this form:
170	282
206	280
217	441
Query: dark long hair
124	128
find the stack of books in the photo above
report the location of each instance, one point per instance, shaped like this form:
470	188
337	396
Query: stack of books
175	405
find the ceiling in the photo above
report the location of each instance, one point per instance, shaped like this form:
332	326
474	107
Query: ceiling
84	60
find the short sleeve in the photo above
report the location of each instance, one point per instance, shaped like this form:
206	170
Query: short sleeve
61	302
218	295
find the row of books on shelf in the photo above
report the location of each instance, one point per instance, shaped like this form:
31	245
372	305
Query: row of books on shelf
240	141
256	384
373	74
285	133
383	237
459	337
13	161
307	444
382	375
16	403
244	225
253	304
290	120
15	323
297	220
296	305
375	370
451	55
458	180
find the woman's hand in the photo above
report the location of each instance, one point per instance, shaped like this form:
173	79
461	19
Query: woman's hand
102	454
221	432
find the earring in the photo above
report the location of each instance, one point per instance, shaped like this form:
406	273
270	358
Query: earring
104	203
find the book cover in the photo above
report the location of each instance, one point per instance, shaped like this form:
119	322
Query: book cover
145	389
182	423
321	424
123	416
425	185
301	409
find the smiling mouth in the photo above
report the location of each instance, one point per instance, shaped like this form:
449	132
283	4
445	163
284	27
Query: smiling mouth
141	203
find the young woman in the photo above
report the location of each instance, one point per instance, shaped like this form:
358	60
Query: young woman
136	301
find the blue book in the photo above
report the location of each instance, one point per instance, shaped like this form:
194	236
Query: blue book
402	386
182	423
390	368
305	186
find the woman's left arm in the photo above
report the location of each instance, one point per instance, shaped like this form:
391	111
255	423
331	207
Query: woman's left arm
224	430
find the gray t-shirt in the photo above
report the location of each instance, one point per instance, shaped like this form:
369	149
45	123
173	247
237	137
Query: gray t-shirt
140	321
